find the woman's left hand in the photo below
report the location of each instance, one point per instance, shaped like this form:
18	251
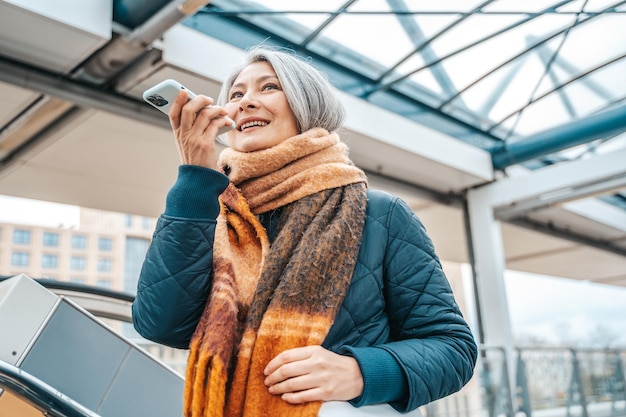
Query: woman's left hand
313	373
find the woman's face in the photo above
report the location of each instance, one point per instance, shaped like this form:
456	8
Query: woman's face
259	107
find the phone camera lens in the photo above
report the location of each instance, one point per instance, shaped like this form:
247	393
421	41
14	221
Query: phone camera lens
157	100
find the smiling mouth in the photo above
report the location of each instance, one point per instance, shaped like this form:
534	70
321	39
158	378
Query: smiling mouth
256	123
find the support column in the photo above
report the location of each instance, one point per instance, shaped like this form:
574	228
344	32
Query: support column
489	266
488	263
512	197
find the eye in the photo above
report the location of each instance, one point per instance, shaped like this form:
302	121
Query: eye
236	95
270	86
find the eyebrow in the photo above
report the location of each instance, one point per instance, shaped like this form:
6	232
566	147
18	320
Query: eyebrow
259	80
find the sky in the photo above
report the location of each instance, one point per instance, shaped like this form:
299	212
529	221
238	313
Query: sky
559	310
37	213
550	309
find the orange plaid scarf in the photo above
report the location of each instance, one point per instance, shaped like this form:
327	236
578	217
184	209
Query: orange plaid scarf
265	300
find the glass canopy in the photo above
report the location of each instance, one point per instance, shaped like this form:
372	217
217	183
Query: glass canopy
488	72
508	68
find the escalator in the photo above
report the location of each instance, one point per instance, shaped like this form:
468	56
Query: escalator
57	359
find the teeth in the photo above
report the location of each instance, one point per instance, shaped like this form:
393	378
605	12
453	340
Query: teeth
252	124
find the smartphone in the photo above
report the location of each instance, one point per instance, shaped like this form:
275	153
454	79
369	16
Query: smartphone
163	94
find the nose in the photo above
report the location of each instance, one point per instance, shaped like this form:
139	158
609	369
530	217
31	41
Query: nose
248	101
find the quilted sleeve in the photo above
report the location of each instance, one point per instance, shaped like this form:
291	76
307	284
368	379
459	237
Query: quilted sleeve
175	278
432	342
174	282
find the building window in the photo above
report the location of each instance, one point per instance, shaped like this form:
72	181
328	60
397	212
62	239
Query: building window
78	263
104	265
77	280
51	239
105	244
21	237
79	242
104	283
128	220
135	253
20	259
49	261
146	223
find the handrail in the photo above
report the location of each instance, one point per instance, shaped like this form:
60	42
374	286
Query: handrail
72	286
101	302
41	395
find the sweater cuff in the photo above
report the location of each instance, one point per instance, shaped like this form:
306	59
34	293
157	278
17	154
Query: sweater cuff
195	193
383	378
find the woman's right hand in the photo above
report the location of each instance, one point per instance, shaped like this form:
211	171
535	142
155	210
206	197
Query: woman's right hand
195	124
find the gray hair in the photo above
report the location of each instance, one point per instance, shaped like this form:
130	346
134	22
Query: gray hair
312	98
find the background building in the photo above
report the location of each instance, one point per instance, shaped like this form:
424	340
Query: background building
105	251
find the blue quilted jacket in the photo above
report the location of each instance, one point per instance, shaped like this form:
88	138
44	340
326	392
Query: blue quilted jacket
399	319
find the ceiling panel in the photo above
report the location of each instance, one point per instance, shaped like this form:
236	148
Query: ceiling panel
55	38
568	220
445	226
579	262
100	161
14	100
521	243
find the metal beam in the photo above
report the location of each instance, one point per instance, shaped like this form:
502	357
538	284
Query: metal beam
77	92
561	196
567	234
607	123
124	50
556	179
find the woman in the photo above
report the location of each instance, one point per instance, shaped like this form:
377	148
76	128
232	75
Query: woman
291	283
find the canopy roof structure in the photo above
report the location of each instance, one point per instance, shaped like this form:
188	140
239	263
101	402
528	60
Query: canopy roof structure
485	72
443	98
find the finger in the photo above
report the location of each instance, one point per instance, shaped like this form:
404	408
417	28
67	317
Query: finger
208	120
287	356
208	113
190	110
287	371
198	103
176	108
295	384
301	397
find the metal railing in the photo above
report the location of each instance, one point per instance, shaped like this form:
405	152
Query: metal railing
548	382
40	395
